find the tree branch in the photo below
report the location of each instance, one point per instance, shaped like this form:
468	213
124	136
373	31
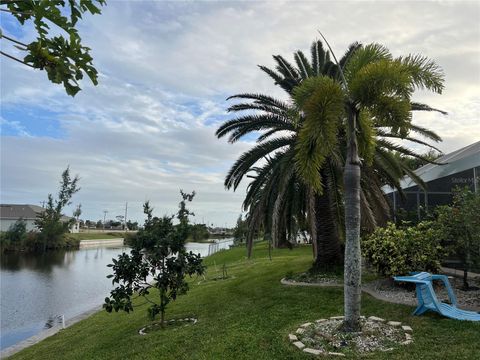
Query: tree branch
14	58
17	12
12	40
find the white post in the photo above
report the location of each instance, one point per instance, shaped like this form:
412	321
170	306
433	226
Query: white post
63	321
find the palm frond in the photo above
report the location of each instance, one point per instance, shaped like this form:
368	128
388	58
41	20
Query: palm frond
286	69
363	56
425	73
262	99
429	134
403	150
321	99
278	78
304	68
424	107
250	157
409	138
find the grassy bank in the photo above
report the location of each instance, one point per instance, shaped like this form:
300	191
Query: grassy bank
247	316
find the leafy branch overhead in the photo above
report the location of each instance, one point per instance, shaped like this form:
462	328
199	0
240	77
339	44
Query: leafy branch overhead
64	58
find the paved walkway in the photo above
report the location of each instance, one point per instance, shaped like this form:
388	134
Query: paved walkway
458	272
367	288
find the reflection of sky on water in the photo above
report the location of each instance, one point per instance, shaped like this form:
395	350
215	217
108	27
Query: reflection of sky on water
36	287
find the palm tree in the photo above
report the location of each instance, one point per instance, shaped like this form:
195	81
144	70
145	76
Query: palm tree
374	91
280	117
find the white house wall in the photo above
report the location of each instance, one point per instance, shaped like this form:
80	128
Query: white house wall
6	223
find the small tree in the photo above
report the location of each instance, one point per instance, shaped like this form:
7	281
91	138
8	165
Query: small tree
241	229
199	232
132	225
158	251
460	225
77	212
49	221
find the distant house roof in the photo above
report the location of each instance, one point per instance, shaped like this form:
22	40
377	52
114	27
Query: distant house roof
24	211
463	159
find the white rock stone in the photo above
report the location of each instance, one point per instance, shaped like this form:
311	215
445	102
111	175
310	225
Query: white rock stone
299	344
386	350
337	317
300	331
306	325
377	319
394	323
408	337
292	337
336	354
312	351
362	317
407	328
320	321
406	342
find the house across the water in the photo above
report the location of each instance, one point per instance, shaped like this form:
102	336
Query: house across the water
11	213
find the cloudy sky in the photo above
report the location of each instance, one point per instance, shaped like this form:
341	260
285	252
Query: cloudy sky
166	68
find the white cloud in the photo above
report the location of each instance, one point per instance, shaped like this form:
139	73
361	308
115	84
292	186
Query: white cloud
166	68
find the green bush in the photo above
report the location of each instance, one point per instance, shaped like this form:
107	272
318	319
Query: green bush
399	250
14	237
459	226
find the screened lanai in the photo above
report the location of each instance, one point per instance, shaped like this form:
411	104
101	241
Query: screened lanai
460	168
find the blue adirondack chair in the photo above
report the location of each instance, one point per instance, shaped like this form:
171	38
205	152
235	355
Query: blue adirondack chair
427	299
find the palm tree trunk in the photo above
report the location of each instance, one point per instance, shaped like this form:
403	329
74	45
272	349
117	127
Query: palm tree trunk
352	273
329	252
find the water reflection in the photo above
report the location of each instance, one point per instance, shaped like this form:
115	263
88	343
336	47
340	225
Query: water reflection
43	262
36	288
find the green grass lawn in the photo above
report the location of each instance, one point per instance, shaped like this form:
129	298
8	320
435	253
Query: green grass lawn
96	235
248	316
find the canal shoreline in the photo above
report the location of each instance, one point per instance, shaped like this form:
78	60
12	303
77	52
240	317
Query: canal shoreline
42	335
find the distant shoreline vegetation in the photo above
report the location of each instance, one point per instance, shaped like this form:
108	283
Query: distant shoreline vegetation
18	239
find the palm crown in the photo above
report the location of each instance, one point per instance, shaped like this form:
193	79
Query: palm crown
277	196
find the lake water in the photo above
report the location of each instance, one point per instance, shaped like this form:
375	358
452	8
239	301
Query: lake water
36	288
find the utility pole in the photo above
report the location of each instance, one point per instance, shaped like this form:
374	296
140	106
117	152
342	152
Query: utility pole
104	216
125	221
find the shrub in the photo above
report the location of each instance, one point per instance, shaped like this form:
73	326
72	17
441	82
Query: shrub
399	250
459	226
14	237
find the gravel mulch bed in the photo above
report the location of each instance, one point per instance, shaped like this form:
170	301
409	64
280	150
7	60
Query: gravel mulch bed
316	278
406	295
324	337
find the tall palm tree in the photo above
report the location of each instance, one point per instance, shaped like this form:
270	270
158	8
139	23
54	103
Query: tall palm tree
281	117
374	91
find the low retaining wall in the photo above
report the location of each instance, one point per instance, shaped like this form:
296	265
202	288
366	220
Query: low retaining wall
101	242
